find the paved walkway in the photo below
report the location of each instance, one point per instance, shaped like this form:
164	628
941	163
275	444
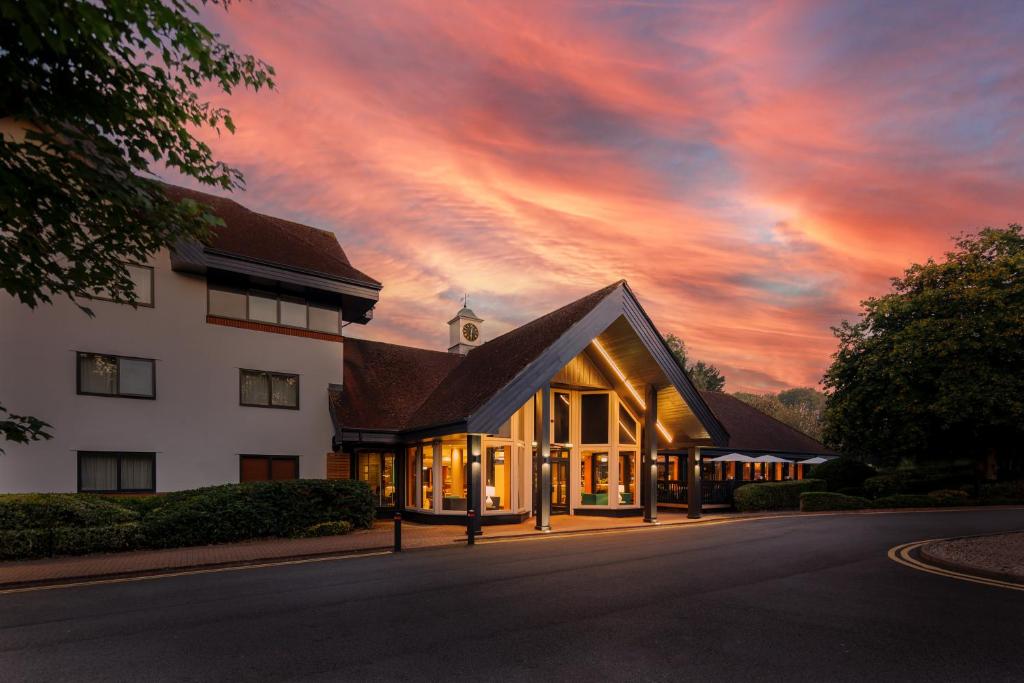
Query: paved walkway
109	565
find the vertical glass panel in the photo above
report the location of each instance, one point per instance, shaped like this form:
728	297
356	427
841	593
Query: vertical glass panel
427	477
98	472
136	377
255	388
284	391
368	469
324	319
137	472
627	478
97	374
560	408
594	478
142	281
263	308
226	303
627	427
412	488
454	478
498	488
293	313
387	480
525	413
594	418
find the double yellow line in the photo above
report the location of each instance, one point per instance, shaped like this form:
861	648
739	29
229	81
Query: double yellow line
902	555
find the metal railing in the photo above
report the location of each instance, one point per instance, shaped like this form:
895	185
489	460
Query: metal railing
674	492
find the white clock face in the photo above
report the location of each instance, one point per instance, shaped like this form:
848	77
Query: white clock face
470	332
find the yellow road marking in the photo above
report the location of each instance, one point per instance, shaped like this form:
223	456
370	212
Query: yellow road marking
901	554
188	572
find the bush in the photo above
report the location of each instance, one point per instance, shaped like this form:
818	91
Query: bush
775	495
856	491
918	481
950	497
1004	490
327	529
143	505
46	510
821	501
67	540
236	512
842	473
906	500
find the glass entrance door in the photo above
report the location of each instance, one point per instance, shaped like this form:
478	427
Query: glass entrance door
559	482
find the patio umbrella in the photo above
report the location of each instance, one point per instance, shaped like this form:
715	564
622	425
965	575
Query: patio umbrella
731	457
814	461
770	458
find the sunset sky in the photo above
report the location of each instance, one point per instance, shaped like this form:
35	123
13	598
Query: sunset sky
753	170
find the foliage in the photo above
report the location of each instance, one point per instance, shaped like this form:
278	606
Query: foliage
235	512
68	540
822	501
46	510
327	529
842	473
775	495
932	370
21	428
800	410
915	481
704	376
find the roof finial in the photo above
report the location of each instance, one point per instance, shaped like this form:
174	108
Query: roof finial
465	300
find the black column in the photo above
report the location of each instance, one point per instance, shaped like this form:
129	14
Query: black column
542	460
649	457
473	487
399	478
694	500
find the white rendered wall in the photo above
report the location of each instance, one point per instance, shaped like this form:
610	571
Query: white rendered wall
195	426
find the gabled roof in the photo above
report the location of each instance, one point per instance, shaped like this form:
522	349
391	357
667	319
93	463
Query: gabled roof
271	240
385	383
750	429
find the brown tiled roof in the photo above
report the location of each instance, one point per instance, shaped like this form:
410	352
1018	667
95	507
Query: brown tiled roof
751	429
274	240
488	368
384	383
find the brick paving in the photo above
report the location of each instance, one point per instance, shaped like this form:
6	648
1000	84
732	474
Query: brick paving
109	565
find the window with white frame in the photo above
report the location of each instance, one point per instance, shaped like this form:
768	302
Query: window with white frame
108	375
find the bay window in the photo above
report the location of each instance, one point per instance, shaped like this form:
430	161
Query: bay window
269	307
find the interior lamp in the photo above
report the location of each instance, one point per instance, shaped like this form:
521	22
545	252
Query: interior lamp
490	491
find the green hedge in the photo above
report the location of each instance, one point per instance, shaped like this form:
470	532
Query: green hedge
45	510
919	481
775	495
819	501
327	529
236	512
842	473
28	543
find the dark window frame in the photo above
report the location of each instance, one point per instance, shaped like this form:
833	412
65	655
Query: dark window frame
152	289
270	389
117	392
120	455
278	297
270	465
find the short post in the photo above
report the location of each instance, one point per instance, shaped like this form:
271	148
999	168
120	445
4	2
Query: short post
398	531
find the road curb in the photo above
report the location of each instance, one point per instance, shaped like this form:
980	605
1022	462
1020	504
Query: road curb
926	555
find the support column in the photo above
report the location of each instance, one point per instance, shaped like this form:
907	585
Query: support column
542	460
649	456
473	499
401	469
694	499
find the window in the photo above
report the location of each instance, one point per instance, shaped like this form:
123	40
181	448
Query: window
594	478
269	389
594	418
498	487
627	427
103	375
142	285
378	471
426	460
268	467
115	472
454	477
627	478
561	410
268	307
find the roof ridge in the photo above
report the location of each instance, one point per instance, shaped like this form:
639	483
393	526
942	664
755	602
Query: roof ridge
403	346
560	308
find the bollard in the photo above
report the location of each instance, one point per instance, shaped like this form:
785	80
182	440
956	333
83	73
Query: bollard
398	532
471	527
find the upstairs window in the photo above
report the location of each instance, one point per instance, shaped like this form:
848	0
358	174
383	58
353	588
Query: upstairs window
268	307
269	389
104	375
594	418
627	426
142	285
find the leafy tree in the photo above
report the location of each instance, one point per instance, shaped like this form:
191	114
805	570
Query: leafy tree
934	370
92	97
704	376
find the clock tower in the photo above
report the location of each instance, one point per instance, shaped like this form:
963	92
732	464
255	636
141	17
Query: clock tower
464	331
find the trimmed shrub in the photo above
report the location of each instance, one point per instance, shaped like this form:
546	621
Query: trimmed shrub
140	504
842	473
1004	490
821	501
47	510
774	495
237	512
918	481
853	491
907	501
950	496
327	529
66	540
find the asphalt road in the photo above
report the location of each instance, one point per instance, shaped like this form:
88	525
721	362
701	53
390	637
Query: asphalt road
808	598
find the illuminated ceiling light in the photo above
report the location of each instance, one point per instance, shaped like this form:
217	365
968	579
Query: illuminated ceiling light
625	380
